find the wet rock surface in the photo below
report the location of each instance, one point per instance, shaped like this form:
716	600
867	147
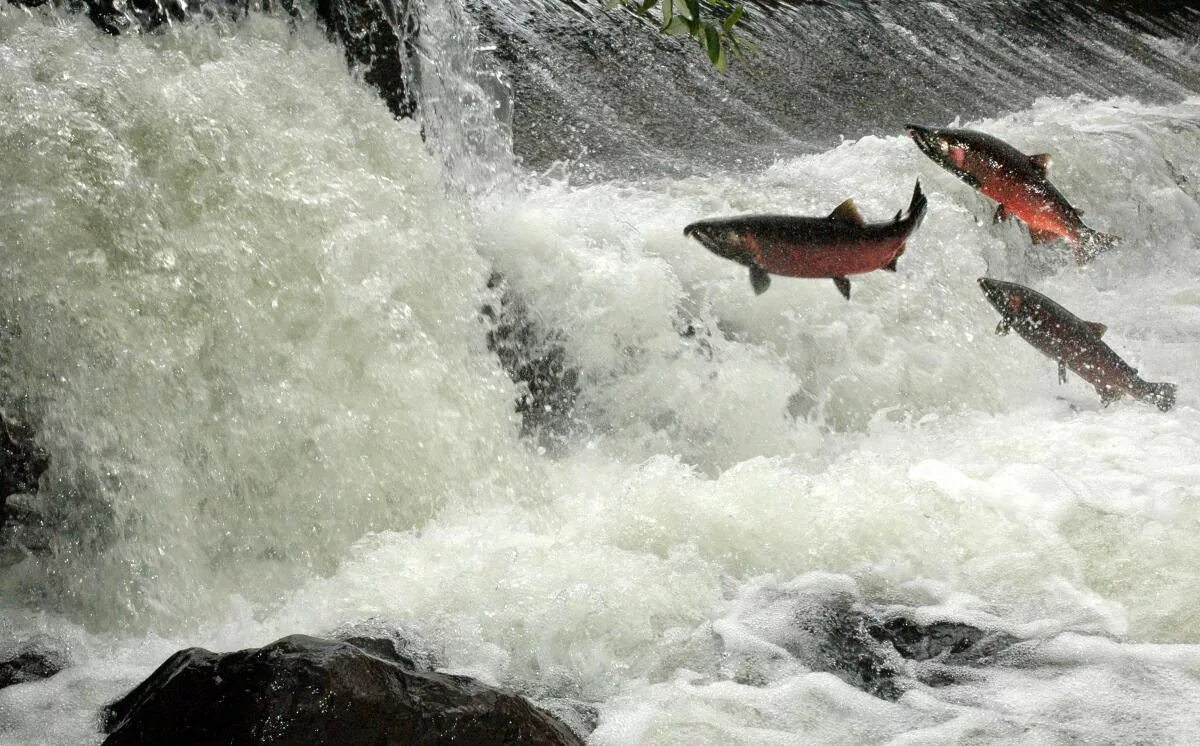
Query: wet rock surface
32	663
307	690
378	37
826	626
534	356
945	642
22	463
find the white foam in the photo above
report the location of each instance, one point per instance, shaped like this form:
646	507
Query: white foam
249	316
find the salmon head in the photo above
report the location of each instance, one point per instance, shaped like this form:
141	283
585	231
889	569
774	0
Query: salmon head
945	148
1006	297
725	238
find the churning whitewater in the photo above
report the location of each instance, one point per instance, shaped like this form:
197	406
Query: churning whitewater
243	305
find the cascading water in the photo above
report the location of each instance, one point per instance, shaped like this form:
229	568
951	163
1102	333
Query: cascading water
464	101
241	306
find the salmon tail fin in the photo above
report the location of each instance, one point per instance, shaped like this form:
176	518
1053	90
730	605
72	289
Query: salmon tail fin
916	208
1161	395
1092	243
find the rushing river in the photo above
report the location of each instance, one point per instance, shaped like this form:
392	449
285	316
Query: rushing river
242	305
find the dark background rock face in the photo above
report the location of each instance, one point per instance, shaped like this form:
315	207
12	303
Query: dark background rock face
605	91
377	36
306	690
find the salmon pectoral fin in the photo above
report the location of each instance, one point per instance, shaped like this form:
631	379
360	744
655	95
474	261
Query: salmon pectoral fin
759	279
1001	214
843	286
1162	395
891	266
1040	236
1062	371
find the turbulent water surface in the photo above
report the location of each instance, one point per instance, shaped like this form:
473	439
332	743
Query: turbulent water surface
242	305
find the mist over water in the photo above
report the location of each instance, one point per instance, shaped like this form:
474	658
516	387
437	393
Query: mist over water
242	305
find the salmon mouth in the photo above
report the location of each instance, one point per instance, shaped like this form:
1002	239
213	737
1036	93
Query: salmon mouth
720	240
926	139
933	144
995	294
708	236
701	233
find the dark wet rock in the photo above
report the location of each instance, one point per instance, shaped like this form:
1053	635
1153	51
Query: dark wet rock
945	642
32	663
377	36
825	625
534	356
22	463
386	640
306	690
834	636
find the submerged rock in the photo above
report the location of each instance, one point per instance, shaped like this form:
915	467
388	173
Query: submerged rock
946	642
534	356
30	664
822	623
306	690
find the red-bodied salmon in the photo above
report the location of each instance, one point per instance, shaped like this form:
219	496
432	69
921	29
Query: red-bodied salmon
832	247
1015	180
1074	343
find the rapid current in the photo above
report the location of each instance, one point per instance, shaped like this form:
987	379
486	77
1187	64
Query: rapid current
242	304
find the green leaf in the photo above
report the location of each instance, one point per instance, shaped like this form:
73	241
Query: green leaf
733	18
693	7
712	42
613	3
677	26
646	6
667	11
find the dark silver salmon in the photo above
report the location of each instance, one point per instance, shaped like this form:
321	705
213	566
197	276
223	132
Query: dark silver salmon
1074	343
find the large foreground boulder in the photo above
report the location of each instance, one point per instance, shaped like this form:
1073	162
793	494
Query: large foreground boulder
306	690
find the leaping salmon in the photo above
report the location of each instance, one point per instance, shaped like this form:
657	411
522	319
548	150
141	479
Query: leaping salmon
1015	180
832	247
1073	342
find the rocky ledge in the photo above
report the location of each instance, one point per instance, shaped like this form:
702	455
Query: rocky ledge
308	690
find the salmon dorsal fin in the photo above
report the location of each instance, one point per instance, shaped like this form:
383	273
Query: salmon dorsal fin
1040	162
847	212
1097	328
